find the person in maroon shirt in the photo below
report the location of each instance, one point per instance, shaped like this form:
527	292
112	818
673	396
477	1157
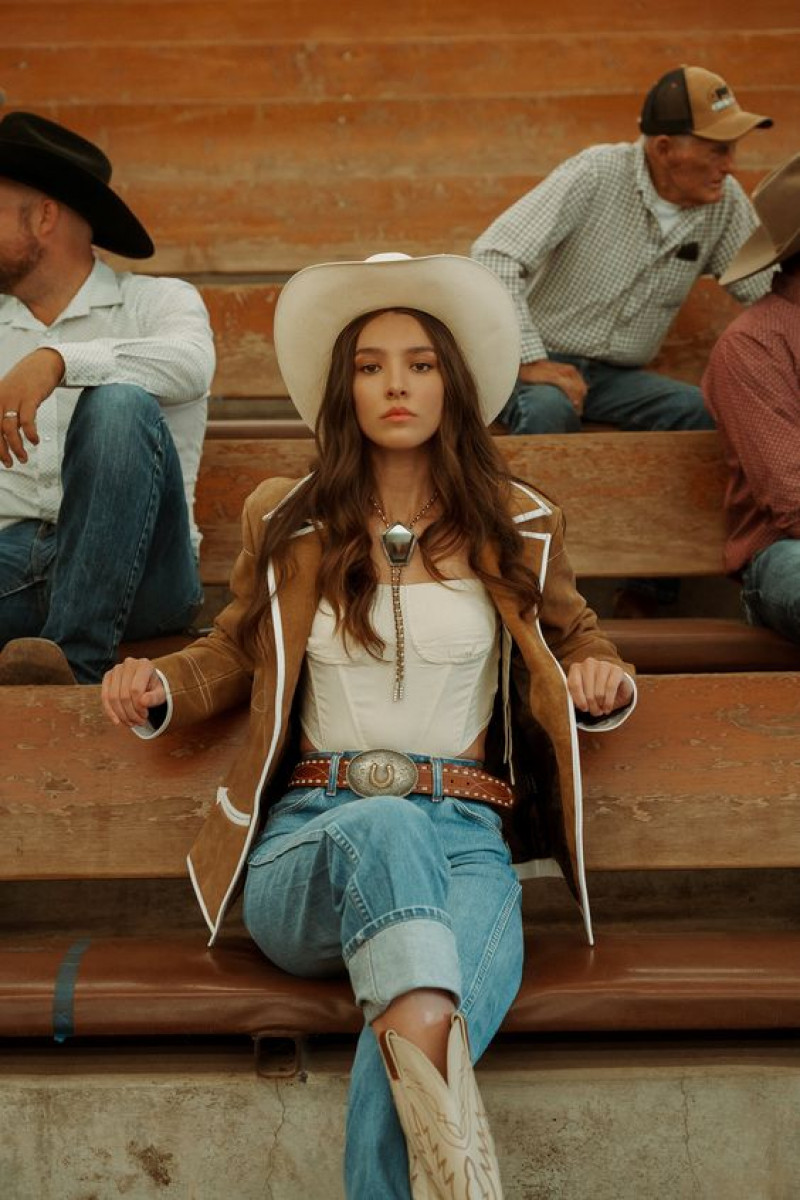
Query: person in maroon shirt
752	389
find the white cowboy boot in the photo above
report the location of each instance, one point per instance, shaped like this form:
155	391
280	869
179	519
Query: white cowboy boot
450	1147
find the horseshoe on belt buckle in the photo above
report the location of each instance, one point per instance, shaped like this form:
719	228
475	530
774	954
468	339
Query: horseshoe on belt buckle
382	773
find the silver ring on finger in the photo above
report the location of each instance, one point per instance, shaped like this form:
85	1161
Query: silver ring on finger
12	412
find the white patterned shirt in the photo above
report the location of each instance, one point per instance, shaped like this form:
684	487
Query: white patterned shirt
589	267
118	328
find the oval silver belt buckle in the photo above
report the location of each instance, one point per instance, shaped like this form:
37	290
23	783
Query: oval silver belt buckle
382	773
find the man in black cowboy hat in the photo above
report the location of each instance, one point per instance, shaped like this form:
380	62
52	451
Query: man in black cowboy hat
104	379
752	387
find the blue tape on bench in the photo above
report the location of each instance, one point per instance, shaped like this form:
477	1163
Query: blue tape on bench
64	992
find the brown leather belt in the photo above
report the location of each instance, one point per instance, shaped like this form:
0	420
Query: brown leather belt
390	773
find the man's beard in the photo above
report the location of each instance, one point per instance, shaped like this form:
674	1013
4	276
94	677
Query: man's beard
16	268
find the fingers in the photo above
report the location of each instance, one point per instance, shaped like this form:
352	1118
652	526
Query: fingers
10	440
576	688
573	385
14	422
27	423
22	390
561	375
130	690
598	687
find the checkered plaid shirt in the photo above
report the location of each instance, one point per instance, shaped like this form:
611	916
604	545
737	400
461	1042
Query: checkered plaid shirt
589	268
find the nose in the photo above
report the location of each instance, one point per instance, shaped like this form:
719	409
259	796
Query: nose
396	382
728	159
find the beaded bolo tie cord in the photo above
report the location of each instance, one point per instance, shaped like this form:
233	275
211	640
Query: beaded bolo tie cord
399	543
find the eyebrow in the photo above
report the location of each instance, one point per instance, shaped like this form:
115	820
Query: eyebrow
382	350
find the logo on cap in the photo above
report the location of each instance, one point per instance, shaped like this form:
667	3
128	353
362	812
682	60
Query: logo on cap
724	98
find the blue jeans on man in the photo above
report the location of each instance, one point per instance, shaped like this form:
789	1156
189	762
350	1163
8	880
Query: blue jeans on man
403	893
119	561
771	588
628	397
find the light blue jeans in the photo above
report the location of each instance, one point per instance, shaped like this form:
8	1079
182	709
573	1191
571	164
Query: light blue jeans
119	562
771	588
627	397
403	893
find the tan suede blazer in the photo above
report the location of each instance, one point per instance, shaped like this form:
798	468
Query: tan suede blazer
213	674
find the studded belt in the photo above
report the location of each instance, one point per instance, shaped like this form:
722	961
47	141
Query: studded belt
390	773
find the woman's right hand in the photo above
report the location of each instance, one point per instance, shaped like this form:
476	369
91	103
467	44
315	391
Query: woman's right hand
130	690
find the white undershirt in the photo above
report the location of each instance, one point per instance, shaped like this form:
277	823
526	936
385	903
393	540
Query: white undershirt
452	652
666	213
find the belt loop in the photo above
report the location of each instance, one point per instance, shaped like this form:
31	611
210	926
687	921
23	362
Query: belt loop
333	773
437	780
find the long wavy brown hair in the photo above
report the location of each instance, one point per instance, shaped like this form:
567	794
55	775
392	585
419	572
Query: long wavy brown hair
471	478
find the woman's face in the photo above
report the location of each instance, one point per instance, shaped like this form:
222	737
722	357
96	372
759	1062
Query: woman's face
398	389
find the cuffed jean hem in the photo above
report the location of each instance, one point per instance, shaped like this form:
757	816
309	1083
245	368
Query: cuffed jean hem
413	952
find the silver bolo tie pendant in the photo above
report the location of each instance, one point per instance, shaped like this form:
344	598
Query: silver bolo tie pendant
399	543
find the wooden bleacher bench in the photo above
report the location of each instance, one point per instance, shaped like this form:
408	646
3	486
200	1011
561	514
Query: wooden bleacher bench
646	504
703	777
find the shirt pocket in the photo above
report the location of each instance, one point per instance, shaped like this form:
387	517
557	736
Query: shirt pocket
677	280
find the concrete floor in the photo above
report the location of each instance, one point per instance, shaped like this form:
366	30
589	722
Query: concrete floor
677	1120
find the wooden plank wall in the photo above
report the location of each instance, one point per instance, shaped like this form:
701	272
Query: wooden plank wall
256	136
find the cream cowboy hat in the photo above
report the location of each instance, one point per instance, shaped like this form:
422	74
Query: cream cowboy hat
318	302
777	202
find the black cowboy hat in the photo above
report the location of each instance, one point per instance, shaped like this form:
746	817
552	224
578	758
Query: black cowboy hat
74	171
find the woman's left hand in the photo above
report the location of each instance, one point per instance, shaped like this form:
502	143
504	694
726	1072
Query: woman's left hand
598	687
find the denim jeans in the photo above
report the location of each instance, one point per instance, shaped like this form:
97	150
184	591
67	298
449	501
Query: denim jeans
403	893
771	588
119	562
626	397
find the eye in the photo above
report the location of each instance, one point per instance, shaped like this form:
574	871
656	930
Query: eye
422	368
368	368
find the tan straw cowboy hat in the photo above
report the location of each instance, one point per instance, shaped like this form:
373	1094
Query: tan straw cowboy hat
318	302
777	202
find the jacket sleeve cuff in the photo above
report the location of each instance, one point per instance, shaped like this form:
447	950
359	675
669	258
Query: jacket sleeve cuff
160	716
614	719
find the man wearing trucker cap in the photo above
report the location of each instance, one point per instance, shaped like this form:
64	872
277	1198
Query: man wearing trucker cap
602	253
599	258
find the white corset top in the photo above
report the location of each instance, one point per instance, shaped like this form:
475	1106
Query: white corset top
452	650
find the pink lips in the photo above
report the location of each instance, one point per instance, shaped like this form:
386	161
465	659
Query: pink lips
397	414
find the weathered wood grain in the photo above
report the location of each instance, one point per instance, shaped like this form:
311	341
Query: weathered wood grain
125	22
264	69
636	503
705	774
92	801
396	138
